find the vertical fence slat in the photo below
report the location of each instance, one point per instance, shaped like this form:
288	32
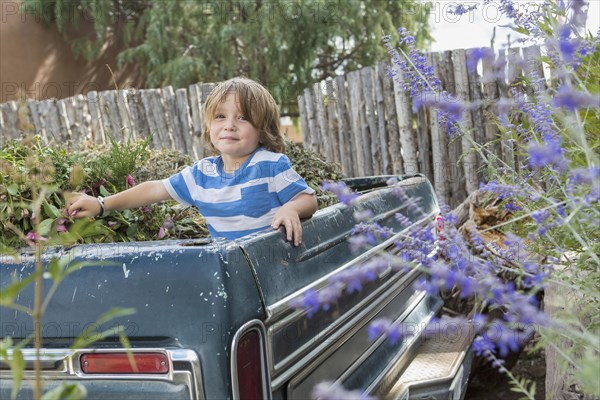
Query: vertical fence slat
332	120
153	128
407	141
325	144
139	121
9	120
439	144
391	123
196	108
168	94
64	121
476	96
491	95
515	73
313	125
469	158
386	165
304	128
355	104
344	137
96	117
374	159
38	126
185	122
125	115
455	173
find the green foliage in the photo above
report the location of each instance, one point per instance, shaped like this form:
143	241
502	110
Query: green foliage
103	170
286	45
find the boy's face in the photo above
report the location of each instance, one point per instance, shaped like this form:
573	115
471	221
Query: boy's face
232	135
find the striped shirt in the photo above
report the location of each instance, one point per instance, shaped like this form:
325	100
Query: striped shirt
235	205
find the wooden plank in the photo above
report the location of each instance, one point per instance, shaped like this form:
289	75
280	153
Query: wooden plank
424	143
439	145
161	118
476	97
139	121
81	118
125	115
168	96
96	124
405	119
516	93
469	158
354	90
344	136
313	145
70	108
325	147
332	120
371	117
52	120
391	121
378	76
110	115
491	95
148	111
205	90
364	126
185	122
64	120
534	69
454	171
195	99
10	120
304	126
39	127
25	121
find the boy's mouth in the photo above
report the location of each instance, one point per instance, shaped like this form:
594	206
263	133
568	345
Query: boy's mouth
228	138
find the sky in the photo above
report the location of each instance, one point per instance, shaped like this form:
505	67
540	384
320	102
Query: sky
475	29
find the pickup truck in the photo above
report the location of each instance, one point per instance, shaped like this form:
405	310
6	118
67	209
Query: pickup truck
213	317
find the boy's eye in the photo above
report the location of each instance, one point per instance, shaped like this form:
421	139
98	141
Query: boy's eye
242	117
218	116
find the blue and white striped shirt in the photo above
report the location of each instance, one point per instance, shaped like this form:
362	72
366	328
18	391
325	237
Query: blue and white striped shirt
241	203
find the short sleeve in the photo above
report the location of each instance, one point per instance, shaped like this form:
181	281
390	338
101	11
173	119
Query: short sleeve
179	186
288	183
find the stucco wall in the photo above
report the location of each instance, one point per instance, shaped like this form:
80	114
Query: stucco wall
36	62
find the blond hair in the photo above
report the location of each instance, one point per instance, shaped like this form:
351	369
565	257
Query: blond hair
256	104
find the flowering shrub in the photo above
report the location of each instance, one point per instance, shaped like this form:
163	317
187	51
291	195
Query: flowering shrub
553	235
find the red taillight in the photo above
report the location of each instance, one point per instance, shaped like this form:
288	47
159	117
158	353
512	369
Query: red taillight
119	363
249	368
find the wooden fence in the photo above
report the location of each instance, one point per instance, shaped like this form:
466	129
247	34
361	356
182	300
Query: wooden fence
362	120
365	121
172	117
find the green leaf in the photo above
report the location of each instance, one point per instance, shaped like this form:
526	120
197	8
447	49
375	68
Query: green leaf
520	30
17	365
46	226
103	191
13	189
66	391
50	210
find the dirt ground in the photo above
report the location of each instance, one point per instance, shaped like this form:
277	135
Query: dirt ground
493	386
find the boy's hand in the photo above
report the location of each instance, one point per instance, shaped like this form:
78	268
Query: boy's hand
289	218
82	205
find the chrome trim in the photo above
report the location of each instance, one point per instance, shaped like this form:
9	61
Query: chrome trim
258	326
64	364
281	308
329	351
356	321
387	290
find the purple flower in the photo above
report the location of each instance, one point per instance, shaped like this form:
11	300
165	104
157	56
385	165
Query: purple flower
161	232
571	99
342	192
546	154
335	391
61	225
130	181
473	58
377	328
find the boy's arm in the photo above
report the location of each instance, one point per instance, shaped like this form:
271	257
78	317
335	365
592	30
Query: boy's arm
137	196
303	206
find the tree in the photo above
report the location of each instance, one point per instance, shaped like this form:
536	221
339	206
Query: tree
286	45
